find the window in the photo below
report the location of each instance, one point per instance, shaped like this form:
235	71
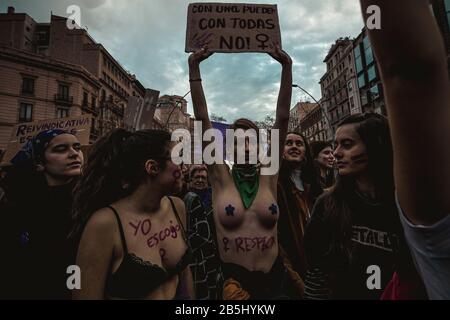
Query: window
371	73
361	81
63	91
62	112
366	42
25	112
85	99
369	55
359	66
28	86
447	9
374	92
368	50
350	86
357	51
41	35
364	98
93	102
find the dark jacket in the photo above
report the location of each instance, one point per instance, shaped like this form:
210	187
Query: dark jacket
35	221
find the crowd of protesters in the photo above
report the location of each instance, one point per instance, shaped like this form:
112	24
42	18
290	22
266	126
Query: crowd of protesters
365	216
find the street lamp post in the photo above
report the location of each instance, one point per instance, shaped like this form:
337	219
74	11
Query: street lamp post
173	109
320	105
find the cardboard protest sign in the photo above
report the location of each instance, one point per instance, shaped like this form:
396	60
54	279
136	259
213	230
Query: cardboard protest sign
232	27
22	132
132	109
140	113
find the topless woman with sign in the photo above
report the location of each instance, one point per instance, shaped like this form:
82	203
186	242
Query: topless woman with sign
245	202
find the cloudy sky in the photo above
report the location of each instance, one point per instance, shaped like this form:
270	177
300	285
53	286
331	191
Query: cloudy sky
148	36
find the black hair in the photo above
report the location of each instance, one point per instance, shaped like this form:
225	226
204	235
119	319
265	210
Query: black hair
115	168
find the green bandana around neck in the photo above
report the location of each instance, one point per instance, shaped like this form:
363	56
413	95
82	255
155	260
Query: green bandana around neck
246	181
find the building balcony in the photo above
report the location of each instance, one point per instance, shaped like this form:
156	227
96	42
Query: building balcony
28	93
117	110
89	109
59	98
113	107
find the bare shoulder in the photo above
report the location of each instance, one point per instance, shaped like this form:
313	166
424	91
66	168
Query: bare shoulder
100	236
179	204
101	223
180	207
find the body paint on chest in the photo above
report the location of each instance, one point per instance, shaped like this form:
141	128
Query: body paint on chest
248	244
145	226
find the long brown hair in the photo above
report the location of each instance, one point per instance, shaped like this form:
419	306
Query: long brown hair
374	132
114	169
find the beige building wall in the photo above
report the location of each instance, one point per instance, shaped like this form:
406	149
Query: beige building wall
98	83
15	65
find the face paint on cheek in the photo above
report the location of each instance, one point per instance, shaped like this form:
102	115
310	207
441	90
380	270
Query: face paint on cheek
360	158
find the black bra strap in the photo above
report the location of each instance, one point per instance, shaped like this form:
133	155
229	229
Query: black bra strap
122	235
183	231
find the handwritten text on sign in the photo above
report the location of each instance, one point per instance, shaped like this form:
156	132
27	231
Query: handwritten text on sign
232	27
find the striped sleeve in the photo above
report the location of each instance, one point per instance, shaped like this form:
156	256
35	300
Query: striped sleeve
316	285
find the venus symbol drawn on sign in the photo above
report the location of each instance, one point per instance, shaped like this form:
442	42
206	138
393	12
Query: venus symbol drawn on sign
262	39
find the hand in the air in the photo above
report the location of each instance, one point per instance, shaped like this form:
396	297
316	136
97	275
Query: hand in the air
200	55
281	56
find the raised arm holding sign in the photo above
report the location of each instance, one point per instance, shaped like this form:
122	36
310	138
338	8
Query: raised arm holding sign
245	201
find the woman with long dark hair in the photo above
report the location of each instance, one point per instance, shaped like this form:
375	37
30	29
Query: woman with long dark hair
298	189
354	239
133	244
36	217
322	154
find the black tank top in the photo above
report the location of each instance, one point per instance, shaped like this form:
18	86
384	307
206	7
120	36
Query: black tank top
136	278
